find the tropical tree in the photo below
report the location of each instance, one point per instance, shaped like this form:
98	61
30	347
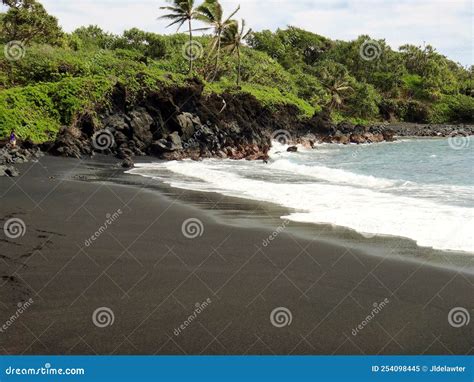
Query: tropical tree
93	35
211	12
182	11
232	40
364	100
336	80
27	21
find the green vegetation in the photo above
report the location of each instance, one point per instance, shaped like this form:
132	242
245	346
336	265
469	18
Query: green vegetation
38	111
49	78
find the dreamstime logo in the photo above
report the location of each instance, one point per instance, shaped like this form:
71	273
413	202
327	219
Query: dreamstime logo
103	317
377	308
45	370
14	228
458	141
103	140
22	307
192	50
199	308
192	228
370	50
266	242
280	317
458	317
283	137
110	219
14	50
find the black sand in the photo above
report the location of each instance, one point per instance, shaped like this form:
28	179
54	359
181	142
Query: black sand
151	276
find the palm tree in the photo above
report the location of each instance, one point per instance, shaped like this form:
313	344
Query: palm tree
211	12
337	84
181	11
232	40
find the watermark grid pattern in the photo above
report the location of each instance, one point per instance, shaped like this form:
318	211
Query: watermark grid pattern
303	249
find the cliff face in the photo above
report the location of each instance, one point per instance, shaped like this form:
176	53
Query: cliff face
183	122
175	123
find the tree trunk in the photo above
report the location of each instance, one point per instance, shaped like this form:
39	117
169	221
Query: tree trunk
239	67
218	54
191	48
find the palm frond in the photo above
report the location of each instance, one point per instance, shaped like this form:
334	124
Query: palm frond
179	21
232	15
205	14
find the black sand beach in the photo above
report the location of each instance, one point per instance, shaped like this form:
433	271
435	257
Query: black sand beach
150	277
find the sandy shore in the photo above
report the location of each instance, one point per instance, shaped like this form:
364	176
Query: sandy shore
120	251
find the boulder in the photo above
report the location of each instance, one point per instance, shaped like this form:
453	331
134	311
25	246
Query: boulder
321	123
160	146
174	141
360	129
292	149
8	171
128	163
378	138
189	124
120	138
357	138
140	123
11	172
124	153
345	127
221	154
388	135
341	139
117	122
165	145
5	157
369	137
67	144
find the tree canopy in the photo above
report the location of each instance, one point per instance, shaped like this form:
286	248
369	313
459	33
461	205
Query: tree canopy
26	21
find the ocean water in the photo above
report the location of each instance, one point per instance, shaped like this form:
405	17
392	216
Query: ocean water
422	189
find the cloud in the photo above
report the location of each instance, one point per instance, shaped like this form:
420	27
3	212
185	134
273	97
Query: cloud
447	25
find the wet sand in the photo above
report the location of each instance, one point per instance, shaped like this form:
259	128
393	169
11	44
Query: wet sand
156	291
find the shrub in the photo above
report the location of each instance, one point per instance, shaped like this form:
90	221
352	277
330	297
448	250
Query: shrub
364	100
454	108
38	111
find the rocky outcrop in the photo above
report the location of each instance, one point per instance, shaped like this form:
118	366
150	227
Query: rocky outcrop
8	171
320	129
183	122
174	124
429	130
70	142
22	153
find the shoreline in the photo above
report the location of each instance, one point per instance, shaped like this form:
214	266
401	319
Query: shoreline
252	212
151	276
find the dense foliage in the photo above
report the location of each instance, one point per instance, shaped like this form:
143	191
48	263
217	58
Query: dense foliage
49	78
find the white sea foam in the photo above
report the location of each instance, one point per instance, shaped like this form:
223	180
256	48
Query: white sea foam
331	196
331	174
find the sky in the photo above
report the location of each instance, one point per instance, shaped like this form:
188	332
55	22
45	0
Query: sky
445	24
